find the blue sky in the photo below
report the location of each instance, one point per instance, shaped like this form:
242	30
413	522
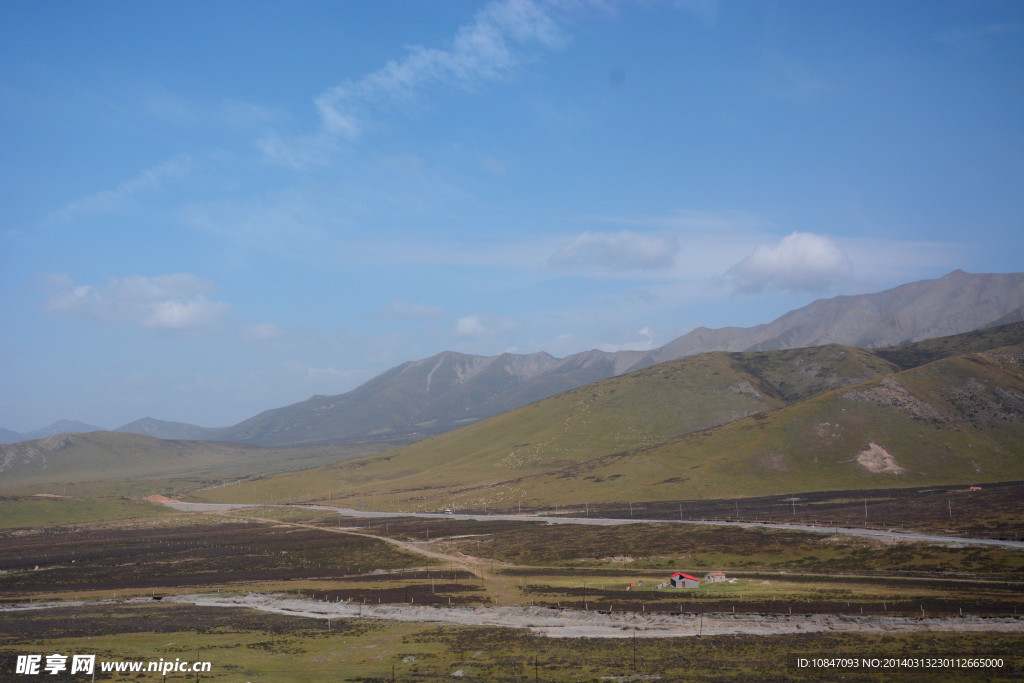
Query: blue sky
212	209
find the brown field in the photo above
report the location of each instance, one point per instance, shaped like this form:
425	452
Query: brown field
326	559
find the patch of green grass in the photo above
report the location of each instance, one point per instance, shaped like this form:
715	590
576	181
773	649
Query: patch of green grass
35	511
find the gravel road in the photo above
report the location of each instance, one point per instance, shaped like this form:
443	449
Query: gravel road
602	521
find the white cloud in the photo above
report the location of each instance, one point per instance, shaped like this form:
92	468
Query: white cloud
483	50
172	302
406	310
645	342
471	327
624	250
801	262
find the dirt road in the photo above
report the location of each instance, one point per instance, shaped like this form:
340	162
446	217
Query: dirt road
603	521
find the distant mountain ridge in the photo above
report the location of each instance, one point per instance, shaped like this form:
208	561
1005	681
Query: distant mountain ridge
147	426
162	429
443	392
59	427
829	417
448	390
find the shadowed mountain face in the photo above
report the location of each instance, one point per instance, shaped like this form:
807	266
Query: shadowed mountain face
446	391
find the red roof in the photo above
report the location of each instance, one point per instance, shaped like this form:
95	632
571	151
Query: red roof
687	576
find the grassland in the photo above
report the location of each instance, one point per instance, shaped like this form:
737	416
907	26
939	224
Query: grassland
251	646
314	554
46	510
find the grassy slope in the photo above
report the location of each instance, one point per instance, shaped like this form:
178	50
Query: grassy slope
632	411
106	456
954	420
715	426
29	511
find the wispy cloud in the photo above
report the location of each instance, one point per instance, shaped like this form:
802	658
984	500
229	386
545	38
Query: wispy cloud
486	49
801	262
405	310
624	250
691	220
171	302
287	223
111	201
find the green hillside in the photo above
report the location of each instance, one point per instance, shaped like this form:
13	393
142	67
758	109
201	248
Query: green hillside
623	413
717	425
952	421
114	456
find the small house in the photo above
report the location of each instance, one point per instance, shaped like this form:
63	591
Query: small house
680	580
714	577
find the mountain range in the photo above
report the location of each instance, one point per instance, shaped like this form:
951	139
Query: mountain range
449	390
718	424
942	411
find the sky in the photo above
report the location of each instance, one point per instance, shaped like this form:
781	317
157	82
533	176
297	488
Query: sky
211	209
